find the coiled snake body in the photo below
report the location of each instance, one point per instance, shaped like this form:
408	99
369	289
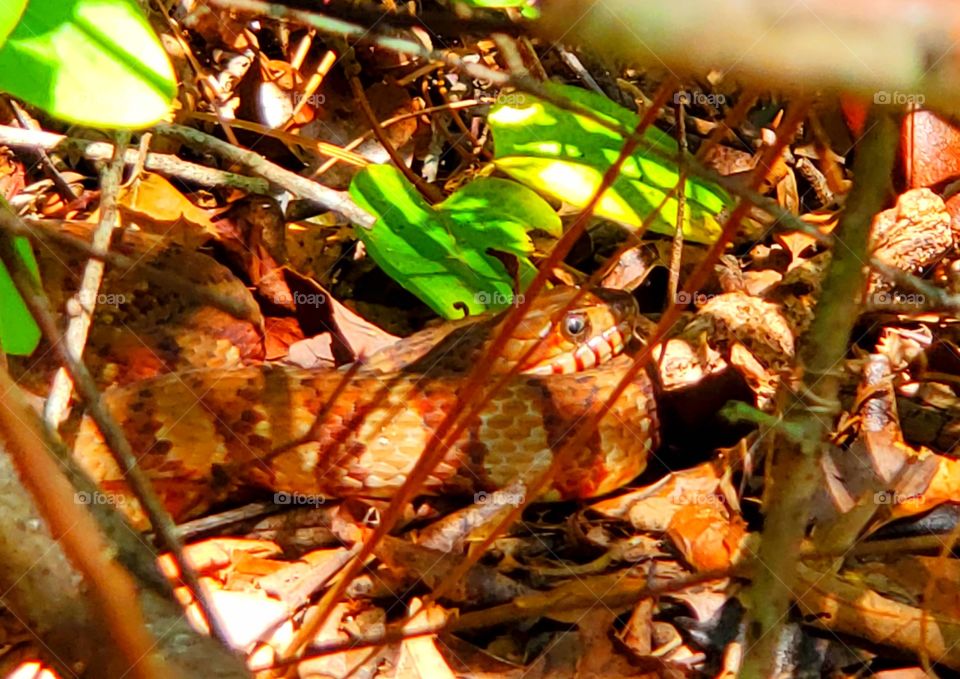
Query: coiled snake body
202	435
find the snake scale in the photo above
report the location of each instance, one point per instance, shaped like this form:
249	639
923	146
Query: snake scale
203	435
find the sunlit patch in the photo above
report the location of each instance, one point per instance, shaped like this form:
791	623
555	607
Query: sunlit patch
510	115
573	182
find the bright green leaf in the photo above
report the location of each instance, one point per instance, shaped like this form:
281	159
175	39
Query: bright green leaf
95	62
19	334
497	213
565	155
442	253
527	9
10	13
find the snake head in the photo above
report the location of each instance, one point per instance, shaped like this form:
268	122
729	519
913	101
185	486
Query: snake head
568	330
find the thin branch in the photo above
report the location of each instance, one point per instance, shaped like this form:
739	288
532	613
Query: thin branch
55	408
794	477
676	253
330	199
170	166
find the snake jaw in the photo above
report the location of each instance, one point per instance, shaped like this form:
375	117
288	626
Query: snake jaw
597	350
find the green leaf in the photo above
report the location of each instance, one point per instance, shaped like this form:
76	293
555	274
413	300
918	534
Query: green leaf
442	253
19	334
94	62
565	155
10	13
527	9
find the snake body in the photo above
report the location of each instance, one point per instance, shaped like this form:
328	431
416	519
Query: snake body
203	435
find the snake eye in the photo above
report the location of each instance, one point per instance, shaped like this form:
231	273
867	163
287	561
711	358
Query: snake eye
575	326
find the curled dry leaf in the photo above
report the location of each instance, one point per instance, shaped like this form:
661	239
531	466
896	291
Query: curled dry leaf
157	206
707	535
752	331
911	236
653	508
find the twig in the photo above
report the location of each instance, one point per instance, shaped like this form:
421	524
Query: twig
676	253
934	297
886	54
84	303
574	64
794	476
392	121
143	148
613	590
339	201
62	185
171	166
429	191
40	309
207	84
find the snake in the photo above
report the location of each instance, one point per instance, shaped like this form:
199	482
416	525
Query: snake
203	436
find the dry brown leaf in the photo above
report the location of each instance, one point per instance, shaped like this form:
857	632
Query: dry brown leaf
931	149
652	508
911	236
419	656
845	606
281	333
707	536
215	553
157	206
246	617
